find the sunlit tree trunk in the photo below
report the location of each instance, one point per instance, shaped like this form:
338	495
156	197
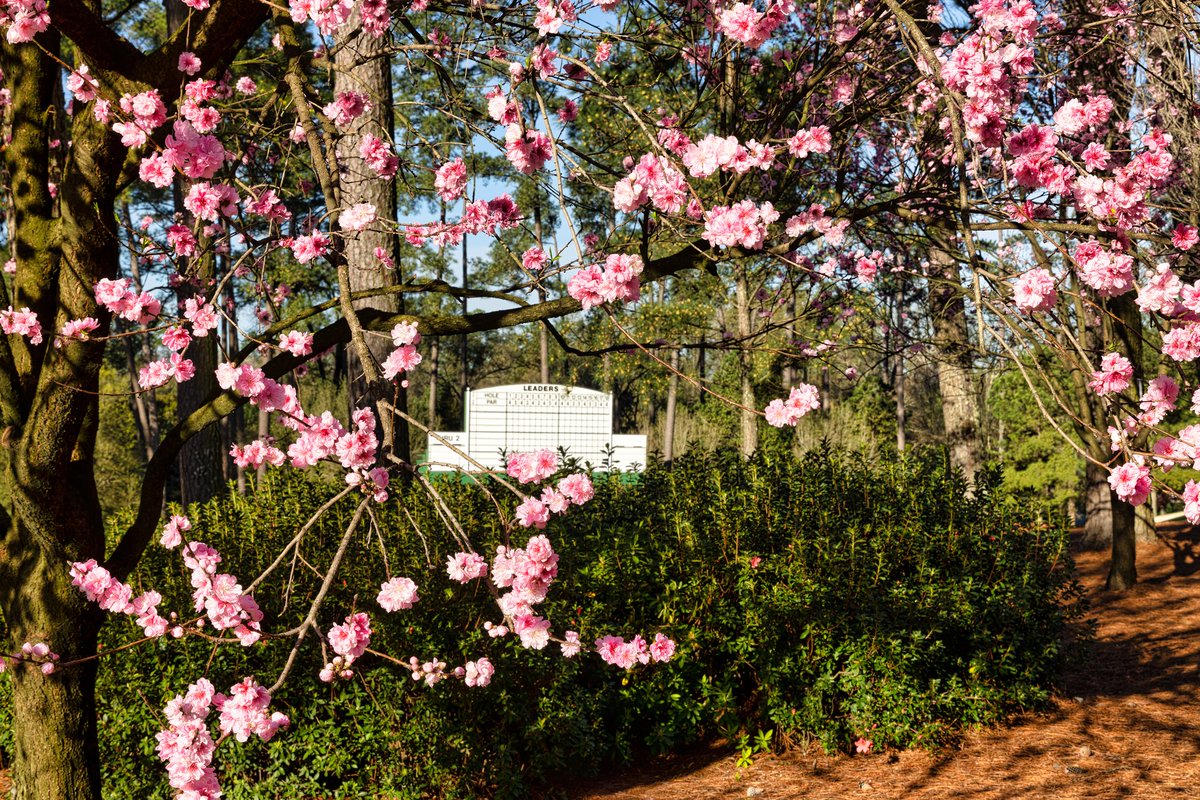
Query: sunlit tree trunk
955	363
669	421
361	64
748	420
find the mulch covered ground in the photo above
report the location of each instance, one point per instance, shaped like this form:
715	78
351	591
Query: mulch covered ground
1127	723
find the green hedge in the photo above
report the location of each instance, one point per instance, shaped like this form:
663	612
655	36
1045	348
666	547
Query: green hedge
825	597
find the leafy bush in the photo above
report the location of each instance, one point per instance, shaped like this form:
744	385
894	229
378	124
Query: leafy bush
826	596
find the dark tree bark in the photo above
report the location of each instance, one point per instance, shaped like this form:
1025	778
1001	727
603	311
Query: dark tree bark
201	462
1122	572
49	406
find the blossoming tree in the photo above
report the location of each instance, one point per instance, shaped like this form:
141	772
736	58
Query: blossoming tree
775	145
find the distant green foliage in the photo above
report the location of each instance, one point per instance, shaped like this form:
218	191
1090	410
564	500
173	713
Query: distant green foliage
825	597
1038	464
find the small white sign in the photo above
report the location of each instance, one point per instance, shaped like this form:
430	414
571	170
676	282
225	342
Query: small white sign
533	416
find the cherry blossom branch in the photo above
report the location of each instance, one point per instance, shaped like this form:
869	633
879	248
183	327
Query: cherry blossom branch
311	618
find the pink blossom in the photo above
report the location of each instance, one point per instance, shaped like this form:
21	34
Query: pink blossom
466	567
399	361
742	225
298	343
314	245
533	259
155	170
404	333
357	217
803	399
21	323
450	180
1131	483
176	338
1035	291
1114	375
196	155
1109	272
533	631
1095	157
1158	400
810	140
173	530
527	150
82	85
350	638
532	513
571	644
189	64
662	648
617	280
77	329
532	466
1184	236
398	593
257	453
379	157
1191	499
244	712
626	655
577	488
202	316
478	672
347	107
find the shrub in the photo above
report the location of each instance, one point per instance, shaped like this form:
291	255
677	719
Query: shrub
827	596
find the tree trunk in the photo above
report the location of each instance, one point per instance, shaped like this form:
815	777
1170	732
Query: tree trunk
543	331
746	415
464	365
54	716
201	468
434	353
955	364
361	64
1144	527
669	422
901	410
1122	573
201	476
1098	527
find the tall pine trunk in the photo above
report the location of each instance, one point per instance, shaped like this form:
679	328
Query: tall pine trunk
361	64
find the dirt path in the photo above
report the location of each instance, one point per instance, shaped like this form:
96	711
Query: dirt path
1128	724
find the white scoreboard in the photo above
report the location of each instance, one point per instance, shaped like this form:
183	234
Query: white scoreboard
532	416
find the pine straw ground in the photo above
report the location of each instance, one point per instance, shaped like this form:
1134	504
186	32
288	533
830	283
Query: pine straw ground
1127	723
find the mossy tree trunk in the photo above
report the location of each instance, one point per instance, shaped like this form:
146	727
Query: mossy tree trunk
50	413
49	409
54	727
